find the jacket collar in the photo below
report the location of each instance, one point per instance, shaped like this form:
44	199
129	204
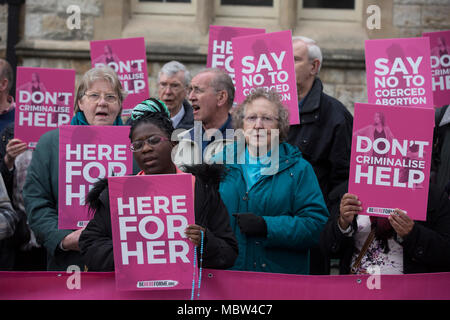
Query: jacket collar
188	113
312	100
445	118
287	156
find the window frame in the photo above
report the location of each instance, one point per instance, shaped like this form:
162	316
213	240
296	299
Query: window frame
165	8
239	11
331	14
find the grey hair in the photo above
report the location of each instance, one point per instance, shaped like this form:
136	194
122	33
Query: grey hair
172	68
6	72
273	97
100	73
314	51
221	81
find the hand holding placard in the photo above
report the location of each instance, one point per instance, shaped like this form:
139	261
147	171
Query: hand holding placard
349	207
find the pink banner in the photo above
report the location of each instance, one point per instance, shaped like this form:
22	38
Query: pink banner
399	72
267	61
87	154
220	51
128	58
390	159
440	64
229	285
149	215
44	101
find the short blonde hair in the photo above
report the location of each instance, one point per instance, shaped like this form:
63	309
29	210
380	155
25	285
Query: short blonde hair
275	99
101	73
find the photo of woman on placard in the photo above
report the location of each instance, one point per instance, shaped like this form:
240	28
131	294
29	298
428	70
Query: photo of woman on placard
378	129
108	56
35	85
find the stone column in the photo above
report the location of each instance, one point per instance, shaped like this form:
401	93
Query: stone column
204	15
287	15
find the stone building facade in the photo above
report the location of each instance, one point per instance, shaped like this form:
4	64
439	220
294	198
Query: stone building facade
179	31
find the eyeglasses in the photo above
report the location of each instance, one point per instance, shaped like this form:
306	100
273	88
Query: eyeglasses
196	90
264	119
137	145
173	86
95	97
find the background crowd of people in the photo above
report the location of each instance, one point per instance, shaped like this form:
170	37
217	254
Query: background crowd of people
291	220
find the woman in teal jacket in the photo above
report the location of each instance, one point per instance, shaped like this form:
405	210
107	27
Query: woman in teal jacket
274	199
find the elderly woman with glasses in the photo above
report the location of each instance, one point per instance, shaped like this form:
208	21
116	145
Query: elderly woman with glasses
98	102
150	133
276	208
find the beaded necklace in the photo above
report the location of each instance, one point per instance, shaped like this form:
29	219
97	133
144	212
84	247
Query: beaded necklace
200	269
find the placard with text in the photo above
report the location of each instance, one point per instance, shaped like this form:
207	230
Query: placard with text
220	50
440	66
399	72
391	158
149	214
129	60
44	101
267	61
87	154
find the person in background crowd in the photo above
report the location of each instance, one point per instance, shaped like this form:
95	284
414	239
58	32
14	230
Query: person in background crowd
272	194
396	244
13	231
15	158
211	94
173	84
35	85
7	104
98	101
27	256
150	134
441	149
324	134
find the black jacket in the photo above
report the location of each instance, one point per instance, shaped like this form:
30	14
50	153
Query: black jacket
425	249
221	247
187	122
324	136
6	135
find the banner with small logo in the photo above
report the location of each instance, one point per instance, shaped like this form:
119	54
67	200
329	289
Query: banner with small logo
87	154
220	51
220	285
149	214
44	101
399	72
440	65
391	158
128	58
267	61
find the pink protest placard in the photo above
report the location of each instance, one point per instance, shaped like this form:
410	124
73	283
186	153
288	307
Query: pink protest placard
390	159
399	72
440	65
128	58
266	60
148	216
44	101
220	51
87	154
